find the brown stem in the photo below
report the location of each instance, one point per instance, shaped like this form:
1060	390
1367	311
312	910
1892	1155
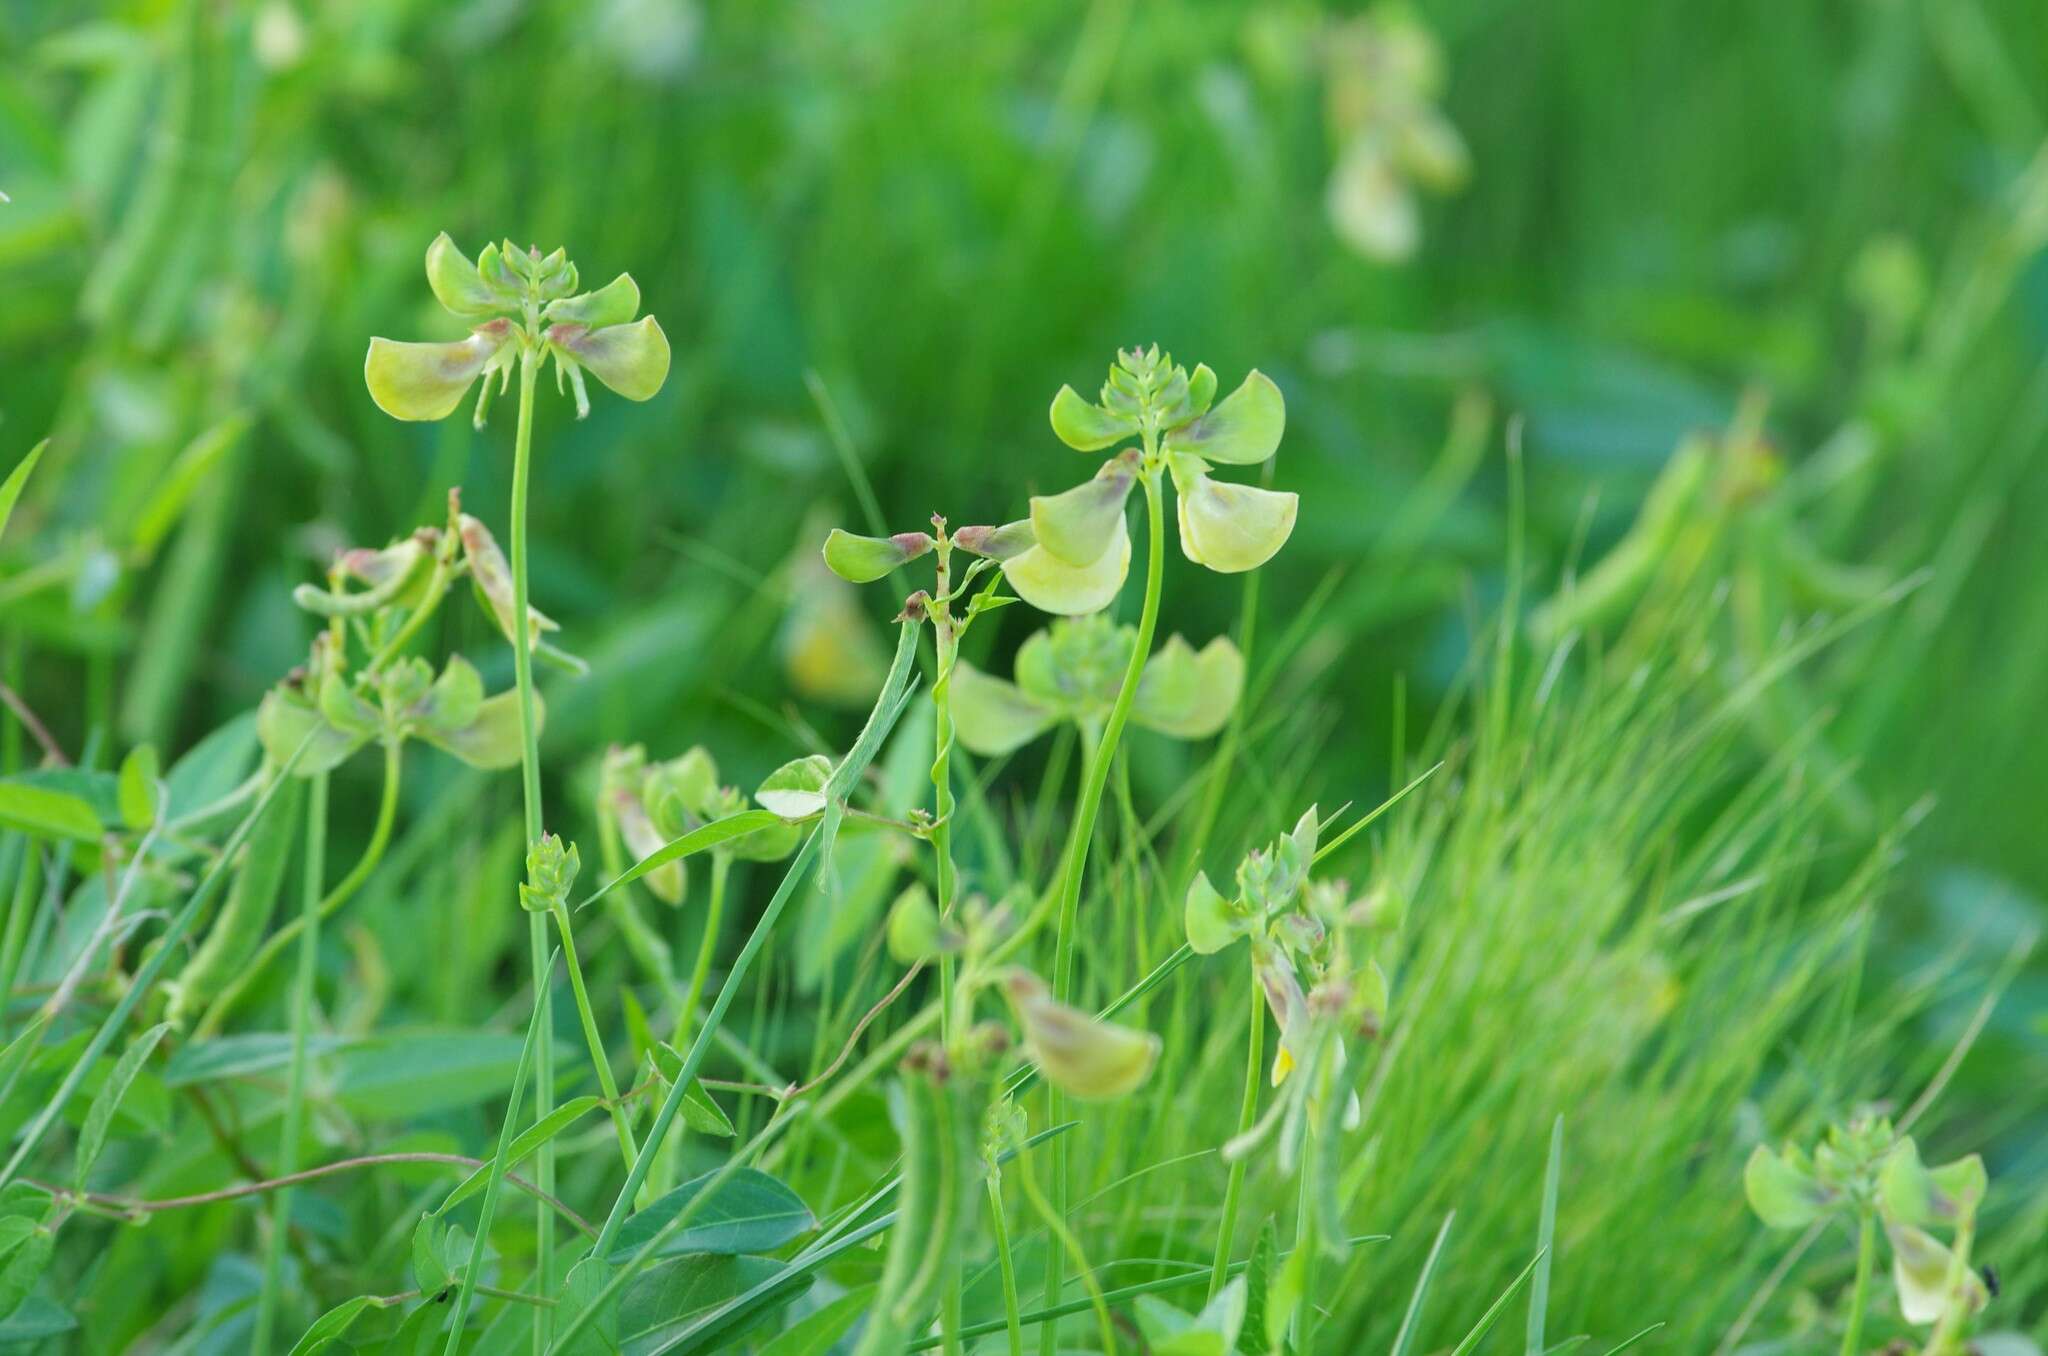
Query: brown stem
52	750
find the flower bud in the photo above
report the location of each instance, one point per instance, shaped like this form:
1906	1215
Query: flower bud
550	875
862	560
617	302
997	543
457	283
914	931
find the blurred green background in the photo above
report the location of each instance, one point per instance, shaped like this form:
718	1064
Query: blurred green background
889	231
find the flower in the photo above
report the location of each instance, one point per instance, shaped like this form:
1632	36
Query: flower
1086	1057
524	307
1072	670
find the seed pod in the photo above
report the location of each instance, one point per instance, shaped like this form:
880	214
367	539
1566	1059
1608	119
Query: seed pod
937	1118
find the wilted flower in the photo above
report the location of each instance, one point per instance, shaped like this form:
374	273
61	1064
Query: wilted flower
523	307
1079	1054
1072	670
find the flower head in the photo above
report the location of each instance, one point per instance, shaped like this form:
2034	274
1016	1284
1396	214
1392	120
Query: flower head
522	306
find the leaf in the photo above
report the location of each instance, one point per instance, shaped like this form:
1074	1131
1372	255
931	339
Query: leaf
18	1050
528	1140
36	1320
796	790
751	1212
93	1137
817	1332
1243	430
174	488
238	1056
24	1267
699	1112
695	841
43	813
1493	1313
1546	1237
10	489
667	1300
431	1268
1405	1338
586	1280
139	790
408	1075
331	1325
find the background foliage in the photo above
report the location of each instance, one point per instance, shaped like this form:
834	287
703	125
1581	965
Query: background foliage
883	233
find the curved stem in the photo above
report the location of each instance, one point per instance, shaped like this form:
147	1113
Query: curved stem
1859	1298
707	947
295	1076
437	587
1095	778
529	781
373	853
1247	1116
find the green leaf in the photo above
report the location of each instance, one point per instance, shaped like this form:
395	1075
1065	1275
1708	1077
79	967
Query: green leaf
431	1269
697	840
10	489
664	1303
174	489
586	1280
43	813
1241	431
817	1332
699	1112
1546	1239
1494	1311
93	1137
751	1212
1404	1339
139	789
16	1054
331	1325
862	560
528	1140
1252	1338
239	1056
1085	427
410	1075
796	790
36	1320
992	716
24	1267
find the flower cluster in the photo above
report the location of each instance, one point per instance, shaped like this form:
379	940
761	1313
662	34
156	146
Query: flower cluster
1384	76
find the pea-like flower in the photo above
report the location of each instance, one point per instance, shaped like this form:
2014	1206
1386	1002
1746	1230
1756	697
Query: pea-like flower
1385	76
1071	555
1071	671
524	307
1083	1055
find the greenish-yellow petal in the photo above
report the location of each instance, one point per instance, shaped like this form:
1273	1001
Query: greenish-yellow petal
427	381
492	739
1085	427
456	282
617	302
631	359
1187	694
1049	584
862	560
1078	525
1245	428
1232	528
1085	1057
991	716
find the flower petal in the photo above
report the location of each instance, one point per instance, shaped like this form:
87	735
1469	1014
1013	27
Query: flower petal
1049	584
1244	429
1232	528
283	720
1085	427
862	560
631	359
1370	207
493	739
1920	1268
1078	525
1189	695
1087	1058
456	282
997	543
1784	1195
427	381
617	302
991	716
1212	921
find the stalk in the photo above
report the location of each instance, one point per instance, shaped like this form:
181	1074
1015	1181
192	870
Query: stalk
295	1077
1247	1116
1096	778
947	641
714	916
344	889
529	781
1859	1298
1013	1324
605	1082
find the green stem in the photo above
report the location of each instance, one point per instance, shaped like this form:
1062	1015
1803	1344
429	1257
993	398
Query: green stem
714	918
1096	778
373	853
1247	1116
605	1082
437	587
1859	1298
947	645
1305	1244
22	907
295	1077
1013	1323
529	781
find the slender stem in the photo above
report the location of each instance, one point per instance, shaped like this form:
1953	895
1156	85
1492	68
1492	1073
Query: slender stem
1305	1244
1247	1116
605	1082
437	587
344	889
1012	1322
295	1076
707	947
1859	1298
529	781
946	639
22	907
1095	779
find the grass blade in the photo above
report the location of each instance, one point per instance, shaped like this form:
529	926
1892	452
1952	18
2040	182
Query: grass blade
1546	1234
1492	1315
1404	1340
